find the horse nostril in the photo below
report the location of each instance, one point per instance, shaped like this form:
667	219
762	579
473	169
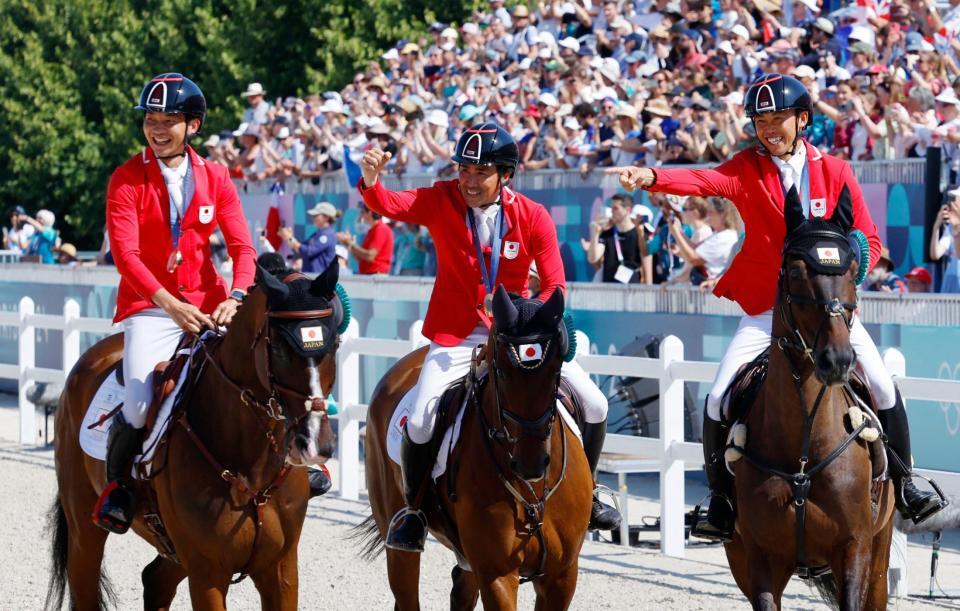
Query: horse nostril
546	461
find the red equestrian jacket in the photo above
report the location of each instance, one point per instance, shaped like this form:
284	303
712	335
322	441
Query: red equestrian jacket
751	181
138	222
458	293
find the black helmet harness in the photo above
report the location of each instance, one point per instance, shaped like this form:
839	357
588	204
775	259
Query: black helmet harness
173	93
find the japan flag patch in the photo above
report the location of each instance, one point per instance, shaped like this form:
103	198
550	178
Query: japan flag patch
312	337
818	208
511	249
206	214
530	352
829	256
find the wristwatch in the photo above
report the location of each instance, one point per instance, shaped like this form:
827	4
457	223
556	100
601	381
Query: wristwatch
238	295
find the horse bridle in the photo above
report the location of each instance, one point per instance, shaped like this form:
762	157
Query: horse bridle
539	428
832	307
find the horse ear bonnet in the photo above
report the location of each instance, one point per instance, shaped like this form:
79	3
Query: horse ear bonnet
522	351
313	337
822	247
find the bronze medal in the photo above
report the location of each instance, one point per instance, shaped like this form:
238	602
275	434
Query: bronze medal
174	261
488	304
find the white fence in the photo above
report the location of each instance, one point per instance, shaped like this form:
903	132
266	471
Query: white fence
670	452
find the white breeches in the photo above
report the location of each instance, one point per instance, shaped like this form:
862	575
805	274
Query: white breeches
149	337
444	365
753	337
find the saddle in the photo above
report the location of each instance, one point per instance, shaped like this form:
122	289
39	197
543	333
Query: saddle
745	386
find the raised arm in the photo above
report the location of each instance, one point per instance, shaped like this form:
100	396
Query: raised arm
408	206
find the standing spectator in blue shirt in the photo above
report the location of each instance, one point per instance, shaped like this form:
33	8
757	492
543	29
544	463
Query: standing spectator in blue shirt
46	239
319	250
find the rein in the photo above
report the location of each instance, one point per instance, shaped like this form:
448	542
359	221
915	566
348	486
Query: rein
273	408
540	428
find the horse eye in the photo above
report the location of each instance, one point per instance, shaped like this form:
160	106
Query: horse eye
796	273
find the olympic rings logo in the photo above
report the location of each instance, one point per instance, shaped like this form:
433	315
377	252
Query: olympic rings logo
951	411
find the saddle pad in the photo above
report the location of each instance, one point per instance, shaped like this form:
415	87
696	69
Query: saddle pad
452	435
109	396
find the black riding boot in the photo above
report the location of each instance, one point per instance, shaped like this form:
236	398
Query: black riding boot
912	502
602	516
720	520
408	528
115	508
319	481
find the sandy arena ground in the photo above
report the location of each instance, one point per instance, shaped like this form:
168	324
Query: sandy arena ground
332	577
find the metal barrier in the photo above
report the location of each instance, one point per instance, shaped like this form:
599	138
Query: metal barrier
670	452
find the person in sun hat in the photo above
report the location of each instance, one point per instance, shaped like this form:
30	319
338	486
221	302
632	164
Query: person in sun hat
485	235
760	181
258	110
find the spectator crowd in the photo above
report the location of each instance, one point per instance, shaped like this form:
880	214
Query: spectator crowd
589	83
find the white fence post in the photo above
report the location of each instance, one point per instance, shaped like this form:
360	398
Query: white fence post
348	444
897	571
71	336
26	359
671	468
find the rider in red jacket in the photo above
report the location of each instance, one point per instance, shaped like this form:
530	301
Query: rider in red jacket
162	206
477	213
756	181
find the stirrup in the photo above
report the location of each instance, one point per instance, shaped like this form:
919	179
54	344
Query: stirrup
931	508
395	520
107	521
700	516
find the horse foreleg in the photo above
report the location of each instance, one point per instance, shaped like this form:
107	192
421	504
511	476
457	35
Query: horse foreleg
765	579
208	590
879	566
853	575
499	593
465	590
403	572
160	580
557	593
278	585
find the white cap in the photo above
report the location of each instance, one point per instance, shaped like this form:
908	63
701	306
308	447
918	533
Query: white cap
947	96
726	47
253	89
741	31
438	117
283	133
324	208
391	54
570	43
571	123
548	99
804	71
810	4
610	68
546	38
545	53
509	108
332	106
449	33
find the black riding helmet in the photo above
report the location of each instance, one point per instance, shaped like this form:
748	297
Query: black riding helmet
172	92
775	93
488	144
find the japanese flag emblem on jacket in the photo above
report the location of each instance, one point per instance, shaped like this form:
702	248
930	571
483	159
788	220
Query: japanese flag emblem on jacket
530	352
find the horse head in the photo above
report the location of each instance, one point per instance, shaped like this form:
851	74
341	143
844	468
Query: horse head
525	353
301	322
817	292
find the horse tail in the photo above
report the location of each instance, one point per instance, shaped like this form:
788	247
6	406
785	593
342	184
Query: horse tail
57	522
57	587
369	534
826	586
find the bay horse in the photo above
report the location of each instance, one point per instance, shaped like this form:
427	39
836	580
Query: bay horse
227	495
519	503
804	495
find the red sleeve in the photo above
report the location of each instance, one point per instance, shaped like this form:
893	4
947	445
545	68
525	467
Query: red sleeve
546	252
721	181
861	214
123	227
413	206
235	232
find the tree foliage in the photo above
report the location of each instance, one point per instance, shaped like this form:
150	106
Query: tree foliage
73	70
